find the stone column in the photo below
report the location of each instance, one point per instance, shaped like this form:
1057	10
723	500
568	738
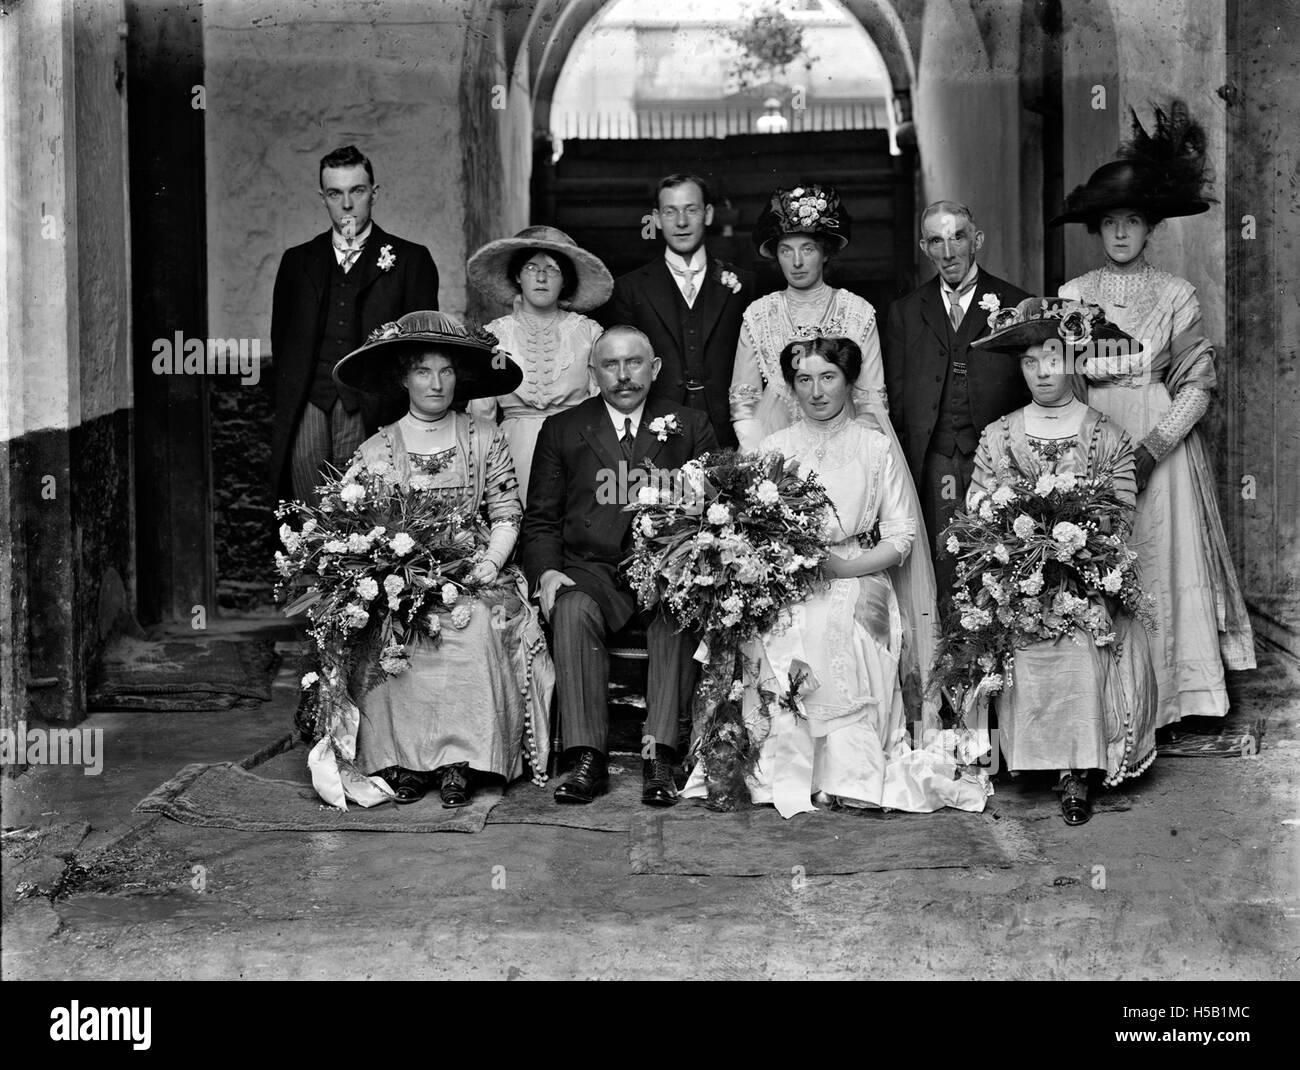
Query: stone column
1259	381
63	364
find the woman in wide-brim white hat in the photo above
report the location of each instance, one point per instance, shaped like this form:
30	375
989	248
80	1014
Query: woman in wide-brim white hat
550	281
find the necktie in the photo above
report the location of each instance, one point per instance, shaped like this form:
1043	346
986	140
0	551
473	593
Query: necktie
955	313
626	442
688	277
350	256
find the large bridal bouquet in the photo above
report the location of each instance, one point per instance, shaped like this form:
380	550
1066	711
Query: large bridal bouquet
1038	560
736	541
374	566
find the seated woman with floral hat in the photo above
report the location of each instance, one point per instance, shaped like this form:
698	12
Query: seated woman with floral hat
1044	615
471	699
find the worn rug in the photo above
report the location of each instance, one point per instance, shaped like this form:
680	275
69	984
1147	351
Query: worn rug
271	791
199	673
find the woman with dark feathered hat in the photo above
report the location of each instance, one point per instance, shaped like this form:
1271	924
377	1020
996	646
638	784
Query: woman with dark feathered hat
1158	397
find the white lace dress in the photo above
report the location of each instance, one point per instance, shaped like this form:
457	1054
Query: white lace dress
553	355
850	740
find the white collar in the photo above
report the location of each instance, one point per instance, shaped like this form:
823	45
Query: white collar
617	418
341	244
967	283
698	261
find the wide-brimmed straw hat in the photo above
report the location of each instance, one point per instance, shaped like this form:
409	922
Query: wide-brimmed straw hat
1038	319
813	209
482	368
488	268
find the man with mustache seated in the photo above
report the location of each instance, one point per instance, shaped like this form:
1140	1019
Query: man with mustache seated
575	534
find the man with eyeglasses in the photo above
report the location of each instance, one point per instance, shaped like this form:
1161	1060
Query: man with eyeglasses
330	293
687	303
941	393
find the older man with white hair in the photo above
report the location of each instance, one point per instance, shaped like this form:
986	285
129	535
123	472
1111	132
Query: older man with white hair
941	392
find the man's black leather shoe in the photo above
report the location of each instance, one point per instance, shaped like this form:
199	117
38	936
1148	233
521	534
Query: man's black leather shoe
657	785
589	778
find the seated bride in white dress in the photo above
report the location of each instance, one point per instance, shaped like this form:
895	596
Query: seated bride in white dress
846	743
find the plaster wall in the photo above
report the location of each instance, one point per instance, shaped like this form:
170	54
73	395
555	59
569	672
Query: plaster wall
968	126
287	82
1143	55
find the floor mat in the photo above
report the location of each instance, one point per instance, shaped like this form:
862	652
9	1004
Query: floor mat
271	791
690	839
202	673
527	804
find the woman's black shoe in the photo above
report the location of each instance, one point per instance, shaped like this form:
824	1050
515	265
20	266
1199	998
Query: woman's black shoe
456	789
1075	807
408	785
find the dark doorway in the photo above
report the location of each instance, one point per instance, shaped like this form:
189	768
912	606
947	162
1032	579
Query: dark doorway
601	190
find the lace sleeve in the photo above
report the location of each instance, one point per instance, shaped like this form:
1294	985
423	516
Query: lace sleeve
1188	407
746	389
982	479
501	542
897	524
869	388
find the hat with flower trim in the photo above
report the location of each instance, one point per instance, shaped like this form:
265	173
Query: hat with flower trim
814	209
483	369
1037	319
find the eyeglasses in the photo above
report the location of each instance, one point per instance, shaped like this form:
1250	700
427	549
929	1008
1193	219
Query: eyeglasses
691	211
544	271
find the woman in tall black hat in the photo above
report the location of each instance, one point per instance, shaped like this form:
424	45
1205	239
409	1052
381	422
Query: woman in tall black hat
1158	397
477	703
1081	706
802	229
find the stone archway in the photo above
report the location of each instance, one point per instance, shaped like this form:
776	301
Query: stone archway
544	42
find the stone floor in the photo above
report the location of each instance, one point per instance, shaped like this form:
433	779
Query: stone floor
1202	871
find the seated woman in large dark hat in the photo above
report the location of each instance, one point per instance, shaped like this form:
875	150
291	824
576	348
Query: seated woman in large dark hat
549	280
478	702
1081	705
1158	396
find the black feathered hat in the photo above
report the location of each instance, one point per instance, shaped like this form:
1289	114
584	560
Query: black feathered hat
1162	175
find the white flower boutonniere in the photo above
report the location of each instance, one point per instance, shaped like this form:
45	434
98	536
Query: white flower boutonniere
730	281
990	302
386	258
663	426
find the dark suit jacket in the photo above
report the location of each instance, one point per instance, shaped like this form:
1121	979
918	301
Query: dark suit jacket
647	299
298	323
568	524
916	352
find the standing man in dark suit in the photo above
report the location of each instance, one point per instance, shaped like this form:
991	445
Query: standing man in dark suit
330	293
688	304
576	533
941	392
